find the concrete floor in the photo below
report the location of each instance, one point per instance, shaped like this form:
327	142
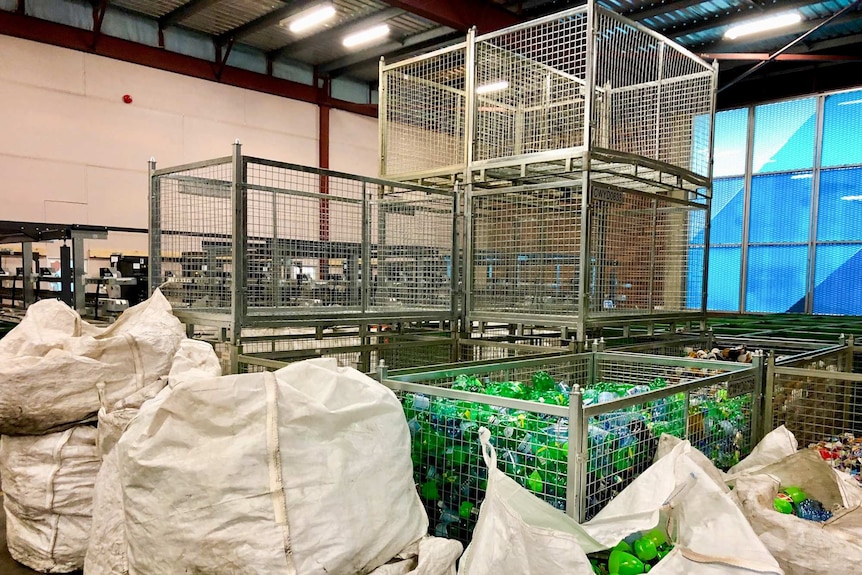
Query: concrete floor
9	566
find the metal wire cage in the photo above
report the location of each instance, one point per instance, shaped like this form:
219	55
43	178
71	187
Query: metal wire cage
538	95
240	242
817	395
538	257
574	453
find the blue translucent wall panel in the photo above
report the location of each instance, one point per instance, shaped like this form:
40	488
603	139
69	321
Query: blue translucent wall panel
728	201
842	129
776	277
694	279
731	129
839	210
784	136
723	285
780	208
838	275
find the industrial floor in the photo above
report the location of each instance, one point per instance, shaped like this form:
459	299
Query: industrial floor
9	566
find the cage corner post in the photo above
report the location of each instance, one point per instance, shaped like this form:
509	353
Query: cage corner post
576	495
154	272
239	231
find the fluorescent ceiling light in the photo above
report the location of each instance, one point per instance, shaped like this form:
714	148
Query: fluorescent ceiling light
492	87
801	176
852	198
850	103
366	36
311	18
763	24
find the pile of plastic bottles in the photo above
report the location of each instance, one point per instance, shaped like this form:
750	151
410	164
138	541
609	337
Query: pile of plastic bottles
532	448
637	553
843	452
792	500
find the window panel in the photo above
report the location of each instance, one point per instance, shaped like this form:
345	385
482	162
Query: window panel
842	129
839	210
838	272
784	136
694	278
780	206
731	139
728	201
776	278
723	284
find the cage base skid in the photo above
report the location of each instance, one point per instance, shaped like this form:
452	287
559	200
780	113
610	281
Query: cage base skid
570	322
566	168
285	320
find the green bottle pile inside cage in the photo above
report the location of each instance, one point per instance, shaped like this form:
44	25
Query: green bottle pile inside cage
529	407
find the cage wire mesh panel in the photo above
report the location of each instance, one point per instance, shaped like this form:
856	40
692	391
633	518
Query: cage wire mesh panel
448	469
193	219
656	100
640	256
424	113
530	88
414	239
821	403
525	405
525	251
304	238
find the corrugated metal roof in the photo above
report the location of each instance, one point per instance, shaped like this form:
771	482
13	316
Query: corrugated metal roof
223	16
708	20
155	8
346	11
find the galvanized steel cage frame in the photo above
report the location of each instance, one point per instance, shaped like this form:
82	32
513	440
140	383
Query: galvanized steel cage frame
738	379
630	95
623	116
245	208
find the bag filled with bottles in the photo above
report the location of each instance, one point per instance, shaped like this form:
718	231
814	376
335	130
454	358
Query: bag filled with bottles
305	470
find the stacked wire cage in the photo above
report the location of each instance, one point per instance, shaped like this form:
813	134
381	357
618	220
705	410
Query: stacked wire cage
582	143
556	434
255	248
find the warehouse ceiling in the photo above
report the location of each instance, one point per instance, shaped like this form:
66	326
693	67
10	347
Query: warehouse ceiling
822	51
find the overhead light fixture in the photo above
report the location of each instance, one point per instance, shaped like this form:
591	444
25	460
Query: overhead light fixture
852	198
366	36
310	18
850	103
801	176
763	25
498	86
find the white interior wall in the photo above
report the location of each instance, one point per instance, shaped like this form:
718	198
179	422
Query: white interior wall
72	152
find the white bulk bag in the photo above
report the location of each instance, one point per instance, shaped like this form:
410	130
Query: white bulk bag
47	483
805	547
306	470
106	554
51	363
519	534
428	556
709	532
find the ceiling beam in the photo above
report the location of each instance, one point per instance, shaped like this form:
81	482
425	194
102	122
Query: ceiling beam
761	56
833	43
334	34
185	11
37	30
460	14
422	40
719	20
269	19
